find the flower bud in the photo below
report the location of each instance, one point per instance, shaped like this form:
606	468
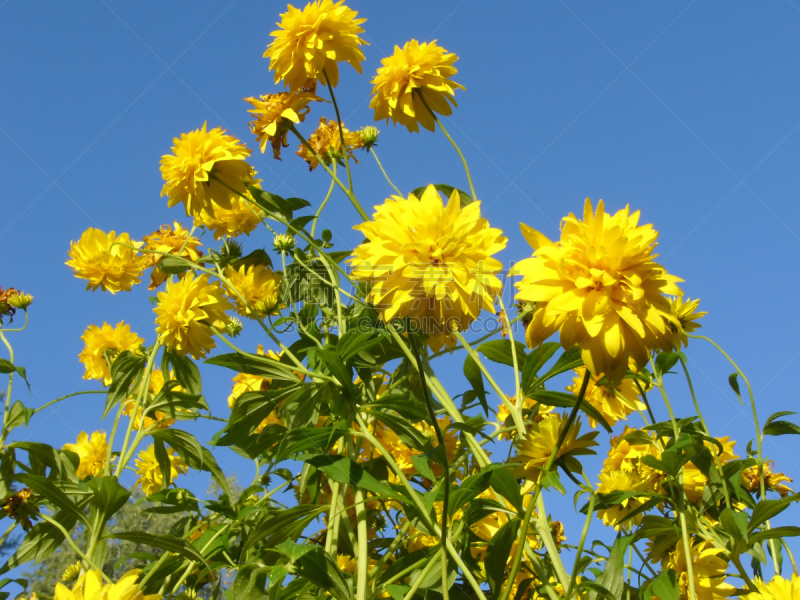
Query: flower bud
369	135
234	328
283	242
20	300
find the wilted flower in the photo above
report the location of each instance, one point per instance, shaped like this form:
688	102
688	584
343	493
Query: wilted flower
274	115
23	507
327	143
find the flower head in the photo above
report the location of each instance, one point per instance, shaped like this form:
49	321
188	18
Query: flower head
534	451
414	81
258	285
23	507
283	242
777	589
102	345
685	314
173	240
311	42
274	113
776	482
187	310
20	300
327	143
92	452
241	217
147	468
614	402
106	260
206	169
90	586
600	289
431	262
72	572
708	565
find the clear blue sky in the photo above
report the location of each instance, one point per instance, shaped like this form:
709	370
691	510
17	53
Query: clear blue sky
687	111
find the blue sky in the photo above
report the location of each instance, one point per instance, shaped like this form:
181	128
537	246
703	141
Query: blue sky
686	111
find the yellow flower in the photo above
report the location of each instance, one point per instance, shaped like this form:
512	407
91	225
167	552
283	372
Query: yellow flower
159	419
628	450
531	409
600	288
685	314
772	481
487	527
709	568
91	587
418	539
102	342
327	143
187	310
777	589
694	480
100	259
311	42
614	402
274	113
623	481
534	451
206	169
241	217
71	572
92	452
173	240
150	477
258	285
431	262
414	76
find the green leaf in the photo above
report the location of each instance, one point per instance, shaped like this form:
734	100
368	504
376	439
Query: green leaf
734	524
124	370
18	414
281	525
320	569
766	509
734	383
503	482
254	364
45	488
9	367
344	470
781	428
358	340
41	541
535	361
423	466
250	582
310	438
497	554
62	464
447	190
612	578
564	400
775	532
666	360
499	351
571	359
475	377
162	542
663	587
186	372
162	458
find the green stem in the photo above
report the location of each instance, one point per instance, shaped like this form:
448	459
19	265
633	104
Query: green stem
587	523
452	141
24	326
423	574
8	389
445	462
74	546
341	133
377	160
36	410
322	205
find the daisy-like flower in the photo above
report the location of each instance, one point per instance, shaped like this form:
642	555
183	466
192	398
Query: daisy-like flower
102	345
487	527
150	476
686	314
628	450
327	143
534	451
206	169
106	260
92	452
600	289
312	42
187	310
173	240
274	113
623	481
258	285
91	587
242	217
773	481
777	589
414	81
431	262
709	568
614	402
